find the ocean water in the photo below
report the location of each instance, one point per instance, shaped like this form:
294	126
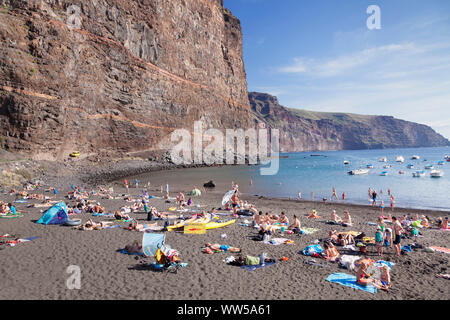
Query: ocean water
319	174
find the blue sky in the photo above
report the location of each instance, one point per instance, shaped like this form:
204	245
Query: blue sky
320	55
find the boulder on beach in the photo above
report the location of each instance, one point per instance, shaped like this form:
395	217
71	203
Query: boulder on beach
209	184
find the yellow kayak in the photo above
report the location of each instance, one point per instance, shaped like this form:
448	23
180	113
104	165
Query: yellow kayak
215	225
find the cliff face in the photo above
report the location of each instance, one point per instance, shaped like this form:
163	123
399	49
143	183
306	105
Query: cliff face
302	130
116	75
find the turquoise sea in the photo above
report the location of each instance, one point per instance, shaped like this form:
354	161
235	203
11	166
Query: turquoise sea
320	171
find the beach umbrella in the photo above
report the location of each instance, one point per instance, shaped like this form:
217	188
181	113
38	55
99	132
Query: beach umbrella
227	196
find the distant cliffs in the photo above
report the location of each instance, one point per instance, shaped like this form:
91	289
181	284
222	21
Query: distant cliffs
302	130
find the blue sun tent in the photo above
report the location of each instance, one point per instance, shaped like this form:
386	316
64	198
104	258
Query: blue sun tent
55	215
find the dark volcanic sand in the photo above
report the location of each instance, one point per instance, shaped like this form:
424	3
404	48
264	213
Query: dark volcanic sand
37	269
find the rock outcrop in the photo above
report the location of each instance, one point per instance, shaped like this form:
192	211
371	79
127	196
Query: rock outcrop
116	75
302	130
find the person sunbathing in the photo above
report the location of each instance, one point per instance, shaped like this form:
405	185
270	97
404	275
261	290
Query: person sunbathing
136	226
98	209
445	223
211	248
283	219
296	225
424	223
335	217
121	216
345	239
91	225
330	253
364	279
135	247
257	218
313	215
347	221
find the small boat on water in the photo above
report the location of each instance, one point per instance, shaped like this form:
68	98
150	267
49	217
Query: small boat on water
418	174
436	173
447	158
441	163
369	166
410	166
358	172
387	166
429	167
415	157
383	159
384	173
399	159
401	172
346	162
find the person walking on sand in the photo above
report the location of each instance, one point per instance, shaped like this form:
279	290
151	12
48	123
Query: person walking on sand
334	195
398	230
137	183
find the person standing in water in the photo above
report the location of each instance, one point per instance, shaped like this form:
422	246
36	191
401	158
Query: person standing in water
299	195
343	196
334	195
392	202
374	197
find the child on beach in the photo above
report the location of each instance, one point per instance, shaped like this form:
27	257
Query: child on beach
313	214
382	207
335	217
379	240
388	238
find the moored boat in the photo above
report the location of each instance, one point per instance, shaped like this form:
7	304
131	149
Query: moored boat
436	173
358	172
399	159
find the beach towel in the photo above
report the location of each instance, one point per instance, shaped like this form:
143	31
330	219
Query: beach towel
348	262
350	247
312	249
308	230
371	223
124	251
441	249
252	268
278	241
113	227
407	248
350	281
443	229
380	263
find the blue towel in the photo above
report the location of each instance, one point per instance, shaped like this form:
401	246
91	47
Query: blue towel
252	268
407	248
112	227
129	253
350	281
316	248
389	264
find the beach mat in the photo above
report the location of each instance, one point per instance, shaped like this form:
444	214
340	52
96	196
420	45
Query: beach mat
441	249
309	230
124	251
349	281
252	268
278	241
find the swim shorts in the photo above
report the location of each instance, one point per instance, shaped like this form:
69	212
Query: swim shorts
224	247
397	239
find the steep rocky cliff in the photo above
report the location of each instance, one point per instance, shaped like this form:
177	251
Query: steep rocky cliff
302	130
116	75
